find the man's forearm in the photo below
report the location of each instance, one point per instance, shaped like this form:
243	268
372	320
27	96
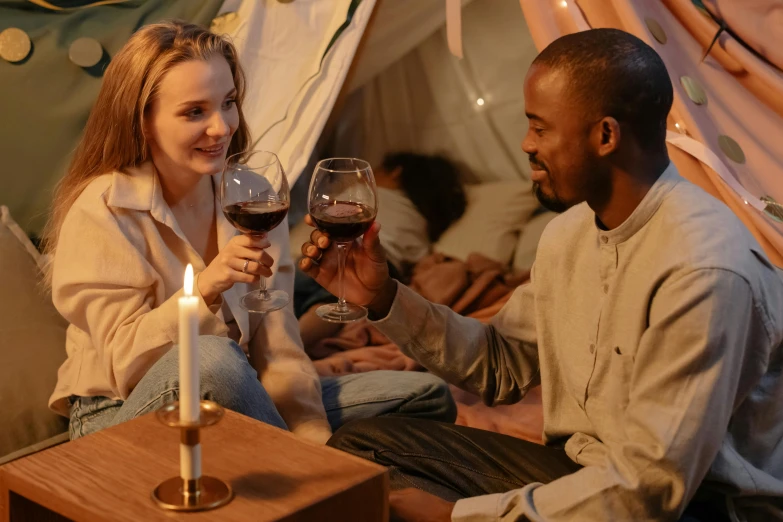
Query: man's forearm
477	357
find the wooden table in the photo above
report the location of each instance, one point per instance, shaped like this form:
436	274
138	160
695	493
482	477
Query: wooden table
275	476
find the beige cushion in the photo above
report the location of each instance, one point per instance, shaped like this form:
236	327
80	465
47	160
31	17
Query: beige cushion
491	224
525	252
32	344
35	448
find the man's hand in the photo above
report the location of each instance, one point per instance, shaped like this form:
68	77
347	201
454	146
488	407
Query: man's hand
414	505
367	281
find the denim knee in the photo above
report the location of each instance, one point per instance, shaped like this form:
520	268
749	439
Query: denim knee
228	379
225	371
435	399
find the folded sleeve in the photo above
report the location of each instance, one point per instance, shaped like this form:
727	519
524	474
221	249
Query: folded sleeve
497	361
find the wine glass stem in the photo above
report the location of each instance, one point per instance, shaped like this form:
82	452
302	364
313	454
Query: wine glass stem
341	250
262	288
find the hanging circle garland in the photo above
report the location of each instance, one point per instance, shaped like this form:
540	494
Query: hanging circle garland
224	23
694	90
85	52
731	149
773	209
656	30
15	45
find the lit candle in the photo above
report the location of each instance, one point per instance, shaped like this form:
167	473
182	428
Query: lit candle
190	456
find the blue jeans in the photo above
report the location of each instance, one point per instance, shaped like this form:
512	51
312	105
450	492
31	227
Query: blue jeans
228	379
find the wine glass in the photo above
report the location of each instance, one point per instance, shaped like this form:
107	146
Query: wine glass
343	203
255	198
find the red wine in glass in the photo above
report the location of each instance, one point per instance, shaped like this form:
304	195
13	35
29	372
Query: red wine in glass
256	218
255	196
344	221
343	203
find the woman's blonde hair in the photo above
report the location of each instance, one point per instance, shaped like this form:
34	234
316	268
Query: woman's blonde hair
114	138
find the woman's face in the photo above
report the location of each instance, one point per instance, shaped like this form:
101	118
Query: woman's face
193	117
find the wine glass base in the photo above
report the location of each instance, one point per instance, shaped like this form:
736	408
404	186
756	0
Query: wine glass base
333	314
257	303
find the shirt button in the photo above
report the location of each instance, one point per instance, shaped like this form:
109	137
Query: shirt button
604	239
592	348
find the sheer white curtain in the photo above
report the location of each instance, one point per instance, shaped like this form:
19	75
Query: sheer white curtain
290	90
404	91
428	100
396	28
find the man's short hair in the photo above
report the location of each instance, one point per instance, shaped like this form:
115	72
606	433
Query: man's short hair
613	73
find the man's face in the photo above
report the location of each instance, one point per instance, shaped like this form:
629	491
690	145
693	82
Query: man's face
566	169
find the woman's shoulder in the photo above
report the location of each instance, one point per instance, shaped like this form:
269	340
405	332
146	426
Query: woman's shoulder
95	193
92	222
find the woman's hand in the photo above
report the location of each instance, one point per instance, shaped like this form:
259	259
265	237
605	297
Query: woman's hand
229	267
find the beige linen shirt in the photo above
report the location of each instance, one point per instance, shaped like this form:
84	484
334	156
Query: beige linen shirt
117	274
658	348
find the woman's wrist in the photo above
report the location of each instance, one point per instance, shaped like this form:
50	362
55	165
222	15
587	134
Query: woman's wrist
206	290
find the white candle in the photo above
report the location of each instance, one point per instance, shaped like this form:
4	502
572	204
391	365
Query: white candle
189	395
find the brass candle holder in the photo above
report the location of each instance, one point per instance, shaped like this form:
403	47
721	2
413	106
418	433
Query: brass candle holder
203	492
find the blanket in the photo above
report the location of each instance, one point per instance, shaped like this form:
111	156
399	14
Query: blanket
478	288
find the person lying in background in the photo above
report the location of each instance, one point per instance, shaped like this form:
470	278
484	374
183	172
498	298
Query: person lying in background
420	196
653	322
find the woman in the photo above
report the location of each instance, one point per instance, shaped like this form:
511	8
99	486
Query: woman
137	205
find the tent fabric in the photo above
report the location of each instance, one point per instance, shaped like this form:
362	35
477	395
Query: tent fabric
45	100
743	93
758	22
426	101
396	28
293	82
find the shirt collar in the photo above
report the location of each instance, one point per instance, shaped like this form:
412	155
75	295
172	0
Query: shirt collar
644	211
138	188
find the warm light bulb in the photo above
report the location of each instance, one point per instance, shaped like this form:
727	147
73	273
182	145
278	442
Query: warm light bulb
480	101
564	3
189	280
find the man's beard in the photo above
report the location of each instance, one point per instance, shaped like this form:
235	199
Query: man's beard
552	202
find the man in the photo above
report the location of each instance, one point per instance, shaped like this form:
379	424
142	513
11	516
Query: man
653	322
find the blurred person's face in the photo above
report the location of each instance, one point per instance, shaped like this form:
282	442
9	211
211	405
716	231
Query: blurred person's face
387	179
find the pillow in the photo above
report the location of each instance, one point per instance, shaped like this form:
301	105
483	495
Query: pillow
32	344
525	252
403	228
496	213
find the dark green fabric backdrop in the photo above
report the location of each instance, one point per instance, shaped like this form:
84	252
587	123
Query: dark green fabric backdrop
45	100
